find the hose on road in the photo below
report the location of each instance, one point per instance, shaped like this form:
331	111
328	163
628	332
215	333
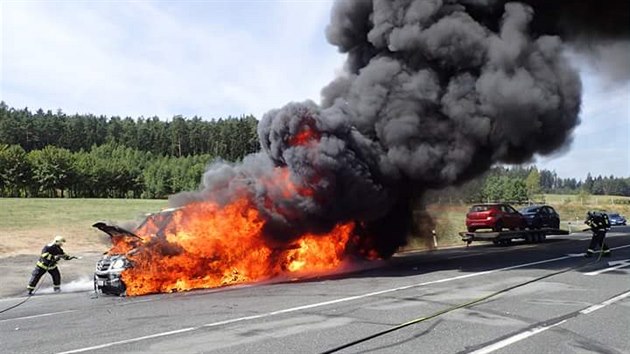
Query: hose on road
23	301
463	305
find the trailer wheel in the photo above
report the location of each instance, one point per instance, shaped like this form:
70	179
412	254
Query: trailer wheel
505	242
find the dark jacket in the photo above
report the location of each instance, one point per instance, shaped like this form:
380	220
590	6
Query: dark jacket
51	254
597	221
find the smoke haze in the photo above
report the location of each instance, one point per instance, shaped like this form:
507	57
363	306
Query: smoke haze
433	94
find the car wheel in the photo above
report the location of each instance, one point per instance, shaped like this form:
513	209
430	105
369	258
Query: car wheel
498	227
471	229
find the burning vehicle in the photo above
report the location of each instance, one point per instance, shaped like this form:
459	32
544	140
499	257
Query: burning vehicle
108	272
107	276
204	246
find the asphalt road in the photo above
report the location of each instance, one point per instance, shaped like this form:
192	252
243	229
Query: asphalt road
584	309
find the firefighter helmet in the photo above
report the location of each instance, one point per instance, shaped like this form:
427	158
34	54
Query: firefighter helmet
59	240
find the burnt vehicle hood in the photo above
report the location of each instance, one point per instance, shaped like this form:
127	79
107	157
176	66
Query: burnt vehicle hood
113	230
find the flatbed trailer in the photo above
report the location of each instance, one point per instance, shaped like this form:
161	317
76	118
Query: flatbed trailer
506	237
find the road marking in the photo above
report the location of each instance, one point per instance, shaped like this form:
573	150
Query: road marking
515	338
605	303
132	340
310	306
526	334
35	316
611	266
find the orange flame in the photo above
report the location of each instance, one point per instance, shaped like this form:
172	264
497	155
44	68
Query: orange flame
203	246
307	135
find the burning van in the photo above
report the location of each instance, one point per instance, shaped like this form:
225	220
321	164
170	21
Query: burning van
108	273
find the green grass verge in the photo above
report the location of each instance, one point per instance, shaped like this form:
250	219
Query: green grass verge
38	213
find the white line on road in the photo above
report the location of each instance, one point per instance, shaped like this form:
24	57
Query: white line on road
605	303
611	266
526	334
40	315
515	338
132	340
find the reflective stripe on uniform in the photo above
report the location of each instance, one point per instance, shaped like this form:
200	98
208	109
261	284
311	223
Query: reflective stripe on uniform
43	266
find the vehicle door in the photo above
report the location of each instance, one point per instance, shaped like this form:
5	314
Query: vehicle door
511	217
543	216
549	216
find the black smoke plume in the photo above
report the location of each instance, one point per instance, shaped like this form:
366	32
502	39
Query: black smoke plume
434	93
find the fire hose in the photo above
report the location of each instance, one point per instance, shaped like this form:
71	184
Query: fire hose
29	296
23	301
460	306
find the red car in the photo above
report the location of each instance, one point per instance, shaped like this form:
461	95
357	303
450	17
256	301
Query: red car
496	216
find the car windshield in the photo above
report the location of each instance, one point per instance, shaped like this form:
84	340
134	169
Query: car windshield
480	208
529	209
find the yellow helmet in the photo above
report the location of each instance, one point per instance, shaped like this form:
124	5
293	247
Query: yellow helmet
59	240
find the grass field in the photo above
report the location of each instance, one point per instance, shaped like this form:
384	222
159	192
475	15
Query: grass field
27	224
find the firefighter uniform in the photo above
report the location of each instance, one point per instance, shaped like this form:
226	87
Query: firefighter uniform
599	224
51	254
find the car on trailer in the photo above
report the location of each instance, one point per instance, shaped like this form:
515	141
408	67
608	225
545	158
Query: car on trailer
494	216
541	216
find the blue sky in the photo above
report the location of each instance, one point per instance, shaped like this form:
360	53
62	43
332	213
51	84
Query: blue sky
219	58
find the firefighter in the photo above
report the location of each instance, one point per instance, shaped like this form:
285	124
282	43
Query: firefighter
51	254
598	223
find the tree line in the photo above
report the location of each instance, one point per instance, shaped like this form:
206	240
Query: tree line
106	171
521	184
46	154
230	138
